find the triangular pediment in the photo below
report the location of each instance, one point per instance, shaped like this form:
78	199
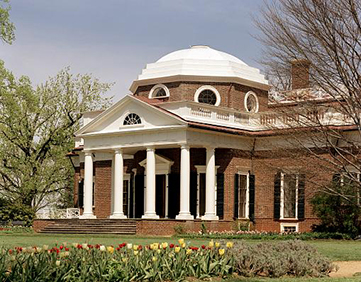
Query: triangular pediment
112	119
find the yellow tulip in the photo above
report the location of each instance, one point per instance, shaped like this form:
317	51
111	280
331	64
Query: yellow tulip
181	241
135	247
176	249
164	245
158	251
45	247
154	258
110	249
211	244
229	245
189	251
221	252
135	253
217	244
183	245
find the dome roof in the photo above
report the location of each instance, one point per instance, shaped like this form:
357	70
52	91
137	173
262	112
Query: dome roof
200	63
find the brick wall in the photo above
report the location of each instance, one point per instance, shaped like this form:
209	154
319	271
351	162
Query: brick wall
232	94
40	224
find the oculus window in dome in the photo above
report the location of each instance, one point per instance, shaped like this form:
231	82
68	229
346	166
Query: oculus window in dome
132	119
159	91
207	95
251	102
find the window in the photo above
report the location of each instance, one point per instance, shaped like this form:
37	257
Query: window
351	182
132	119
289	196
244	195
159	91
207	95
289	227
251	102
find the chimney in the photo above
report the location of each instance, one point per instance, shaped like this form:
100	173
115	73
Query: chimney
300	71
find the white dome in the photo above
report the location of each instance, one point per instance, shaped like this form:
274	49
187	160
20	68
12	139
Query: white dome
200	52
200	63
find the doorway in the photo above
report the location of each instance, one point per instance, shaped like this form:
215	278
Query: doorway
160	195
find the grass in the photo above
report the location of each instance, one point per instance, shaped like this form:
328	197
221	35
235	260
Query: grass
353	279
335	250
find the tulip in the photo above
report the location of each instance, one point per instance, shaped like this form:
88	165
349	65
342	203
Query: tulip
229	245
124	259
75	245
217	244
110	249
189	251
45	247
129	246
177	249
84	246
181	241
164	245
221	252
102	248
154	258
135	247
57	263
135	253
211	244
183	245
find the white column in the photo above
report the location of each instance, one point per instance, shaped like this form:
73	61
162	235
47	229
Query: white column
118	185
166	195
184	184
88	187
150	191
210	213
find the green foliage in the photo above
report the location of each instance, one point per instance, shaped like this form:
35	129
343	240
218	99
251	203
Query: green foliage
179	229
336	212
16	212
37	127
204	228
7	28
291	258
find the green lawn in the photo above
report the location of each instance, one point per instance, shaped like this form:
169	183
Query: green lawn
333	249
354	279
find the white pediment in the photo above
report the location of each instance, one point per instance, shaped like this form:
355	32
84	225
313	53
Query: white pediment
112	119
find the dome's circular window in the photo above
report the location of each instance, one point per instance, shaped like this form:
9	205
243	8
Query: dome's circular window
207	95
251	102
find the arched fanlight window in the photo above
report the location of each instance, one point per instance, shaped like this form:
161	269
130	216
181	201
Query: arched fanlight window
159	91
132	119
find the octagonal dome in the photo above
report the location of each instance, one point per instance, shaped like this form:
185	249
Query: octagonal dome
200	63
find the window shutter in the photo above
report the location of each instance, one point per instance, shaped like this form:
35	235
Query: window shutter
81	194
277	196
251	196
193	194
220	194
301	196
236	186
139	195
336	179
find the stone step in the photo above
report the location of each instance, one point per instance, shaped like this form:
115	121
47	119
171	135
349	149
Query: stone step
87	232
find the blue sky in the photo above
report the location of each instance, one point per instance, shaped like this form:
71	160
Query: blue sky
115	39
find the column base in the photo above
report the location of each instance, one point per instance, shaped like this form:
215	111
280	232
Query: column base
117	216
150	216
87	216
210	217
184	216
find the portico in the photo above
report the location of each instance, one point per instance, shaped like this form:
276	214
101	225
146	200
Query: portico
154	165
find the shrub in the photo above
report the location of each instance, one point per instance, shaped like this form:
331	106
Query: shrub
337	214
179	229
16	212
291	258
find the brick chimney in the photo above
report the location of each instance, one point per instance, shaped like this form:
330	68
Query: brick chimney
300	71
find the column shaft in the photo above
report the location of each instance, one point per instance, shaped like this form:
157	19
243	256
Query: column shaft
88	187
185	185
210	213
118	185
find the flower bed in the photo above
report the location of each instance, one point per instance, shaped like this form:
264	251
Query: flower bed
130	262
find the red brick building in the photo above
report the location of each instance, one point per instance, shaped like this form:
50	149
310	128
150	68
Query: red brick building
194	143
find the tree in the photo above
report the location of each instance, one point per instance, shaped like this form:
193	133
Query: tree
326	35
37	127
7	28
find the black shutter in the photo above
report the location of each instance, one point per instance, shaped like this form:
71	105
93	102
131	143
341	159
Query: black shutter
251	196
277	196
336	179
301	196
193	194
139	195
220	195
236	186
81	194
173	194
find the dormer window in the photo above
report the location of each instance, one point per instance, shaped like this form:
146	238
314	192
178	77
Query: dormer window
132	119
251	102
207	95
159	91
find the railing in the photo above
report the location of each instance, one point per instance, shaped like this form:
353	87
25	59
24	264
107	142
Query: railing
59	214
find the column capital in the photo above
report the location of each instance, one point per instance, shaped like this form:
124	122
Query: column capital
118	151
210	148
88	153
185	146
150	148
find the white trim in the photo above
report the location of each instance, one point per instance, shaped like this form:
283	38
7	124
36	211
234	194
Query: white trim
242	172
284	224
208	87
155	87
251	93
125	114
282	203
